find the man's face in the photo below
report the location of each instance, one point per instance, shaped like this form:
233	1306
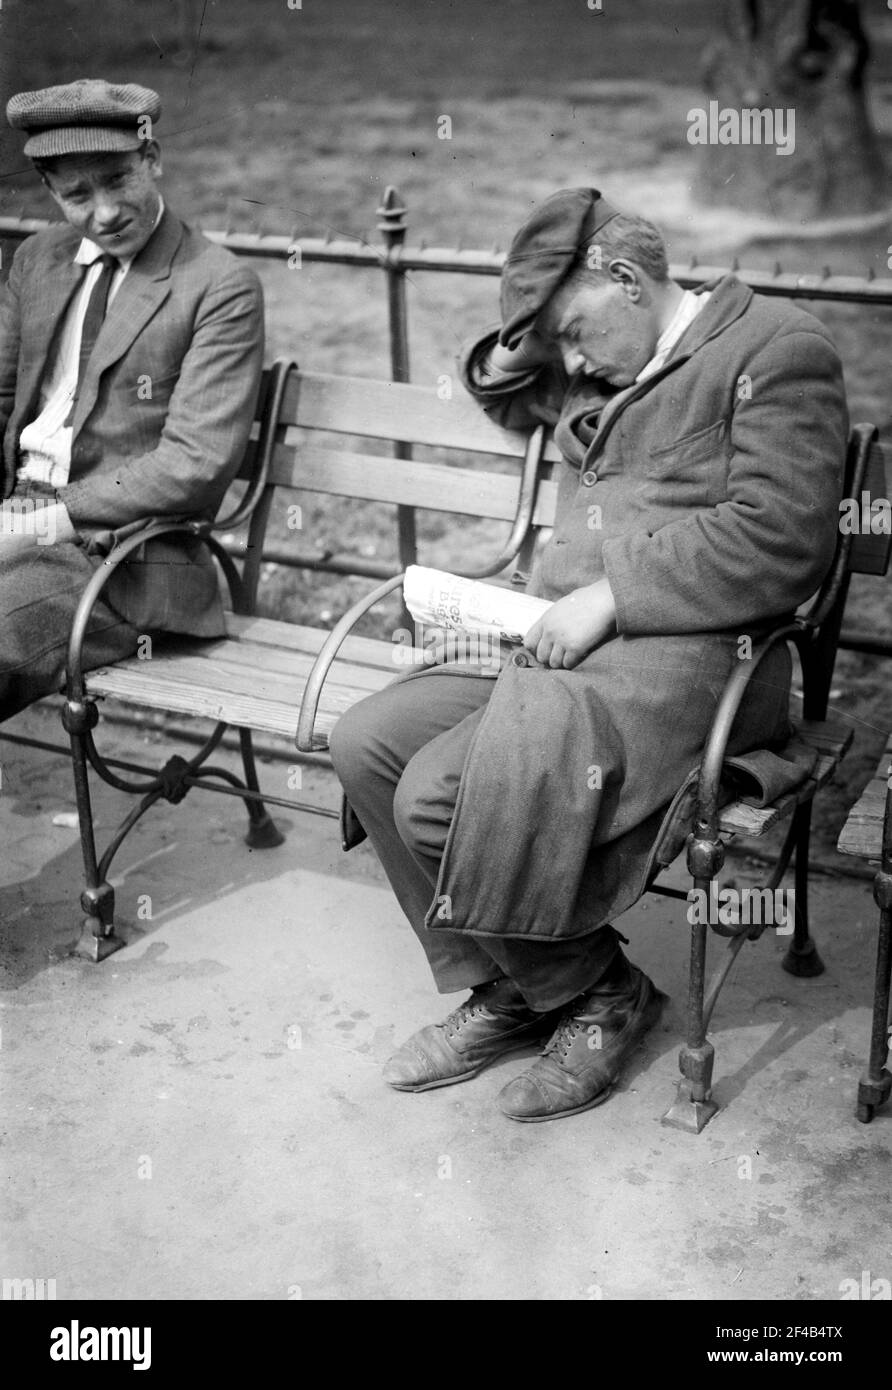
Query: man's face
602	330
110	198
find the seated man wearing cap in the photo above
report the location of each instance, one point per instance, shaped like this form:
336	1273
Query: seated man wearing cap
130	359
703	437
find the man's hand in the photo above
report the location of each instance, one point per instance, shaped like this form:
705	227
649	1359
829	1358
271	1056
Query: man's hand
531	351
573	626
23	527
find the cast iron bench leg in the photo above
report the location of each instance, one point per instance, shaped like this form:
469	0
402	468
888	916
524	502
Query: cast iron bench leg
263	833
802	956
876	1086
694	1107
97	939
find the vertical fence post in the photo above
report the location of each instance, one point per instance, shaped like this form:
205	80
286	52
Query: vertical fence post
392	224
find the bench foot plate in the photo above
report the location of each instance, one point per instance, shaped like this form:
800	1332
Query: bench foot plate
264	834
96	948
688	1114
872	1094
803	961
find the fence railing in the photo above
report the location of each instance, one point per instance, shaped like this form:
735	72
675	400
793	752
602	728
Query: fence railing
395	260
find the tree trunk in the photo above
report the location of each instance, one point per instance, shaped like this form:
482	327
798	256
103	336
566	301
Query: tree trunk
801	62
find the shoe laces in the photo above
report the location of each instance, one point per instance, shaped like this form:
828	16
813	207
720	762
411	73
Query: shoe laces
470	1009
567	1031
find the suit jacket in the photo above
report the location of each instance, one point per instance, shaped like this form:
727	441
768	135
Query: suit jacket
708	494
165	411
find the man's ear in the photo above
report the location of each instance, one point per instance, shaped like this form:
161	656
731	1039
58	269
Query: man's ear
152	156
626	274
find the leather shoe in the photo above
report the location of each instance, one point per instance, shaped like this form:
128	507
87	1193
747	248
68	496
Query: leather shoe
585	1055
493	1021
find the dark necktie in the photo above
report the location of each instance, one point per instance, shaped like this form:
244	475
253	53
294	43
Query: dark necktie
93	318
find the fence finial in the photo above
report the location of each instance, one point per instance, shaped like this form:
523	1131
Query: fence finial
392	214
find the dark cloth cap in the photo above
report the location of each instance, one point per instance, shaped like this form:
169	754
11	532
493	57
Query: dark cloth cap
542	253
89	116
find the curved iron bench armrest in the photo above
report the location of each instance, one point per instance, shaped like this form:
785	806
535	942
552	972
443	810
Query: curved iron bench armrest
523	517
266	443
306	739
864	436
707	816
199	529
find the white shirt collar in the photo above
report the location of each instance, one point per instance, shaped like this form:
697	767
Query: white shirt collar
689	307
88	251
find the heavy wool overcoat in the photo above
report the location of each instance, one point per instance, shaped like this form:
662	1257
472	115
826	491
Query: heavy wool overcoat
708	494
165	412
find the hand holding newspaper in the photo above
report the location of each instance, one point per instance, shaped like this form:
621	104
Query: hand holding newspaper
469	605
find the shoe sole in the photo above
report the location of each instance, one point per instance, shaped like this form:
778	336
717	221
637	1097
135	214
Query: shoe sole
649	1020
472	1072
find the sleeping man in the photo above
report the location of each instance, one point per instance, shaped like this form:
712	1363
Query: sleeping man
703	437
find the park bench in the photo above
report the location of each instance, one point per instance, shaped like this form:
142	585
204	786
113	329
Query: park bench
275	677
867	834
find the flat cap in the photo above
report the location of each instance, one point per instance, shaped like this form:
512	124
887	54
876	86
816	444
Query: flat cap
89	116
543	252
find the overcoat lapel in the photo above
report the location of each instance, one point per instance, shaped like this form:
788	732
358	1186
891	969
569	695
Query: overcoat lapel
729	300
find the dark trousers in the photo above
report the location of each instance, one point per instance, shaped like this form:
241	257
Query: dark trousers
39	593
399	755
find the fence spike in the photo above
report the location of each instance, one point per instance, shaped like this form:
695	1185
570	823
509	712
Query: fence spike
392	214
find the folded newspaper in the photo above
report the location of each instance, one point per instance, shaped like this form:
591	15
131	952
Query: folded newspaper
468	605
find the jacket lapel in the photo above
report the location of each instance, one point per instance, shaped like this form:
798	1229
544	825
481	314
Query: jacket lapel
53	288
729	300
143	289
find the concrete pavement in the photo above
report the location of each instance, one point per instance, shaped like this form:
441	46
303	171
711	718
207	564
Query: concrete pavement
202	1117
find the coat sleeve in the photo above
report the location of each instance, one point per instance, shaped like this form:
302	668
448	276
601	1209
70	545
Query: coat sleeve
517	401
207	424
10	339
764	550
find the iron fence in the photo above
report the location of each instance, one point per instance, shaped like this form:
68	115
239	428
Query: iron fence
395	259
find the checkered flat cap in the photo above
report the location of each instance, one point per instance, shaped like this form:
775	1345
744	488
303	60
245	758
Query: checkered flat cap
543	253
89	116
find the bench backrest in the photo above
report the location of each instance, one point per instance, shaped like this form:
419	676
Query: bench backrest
402	416
410	415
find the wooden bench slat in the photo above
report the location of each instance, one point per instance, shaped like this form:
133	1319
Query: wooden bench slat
414	483
237	664
386	410
862	834
737	818
361	651
212	691
358	651
831	736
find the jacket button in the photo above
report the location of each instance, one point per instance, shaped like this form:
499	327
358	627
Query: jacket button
521	659
589	479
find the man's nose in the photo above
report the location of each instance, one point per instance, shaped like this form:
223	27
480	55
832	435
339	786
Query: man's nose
573	360
106	210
